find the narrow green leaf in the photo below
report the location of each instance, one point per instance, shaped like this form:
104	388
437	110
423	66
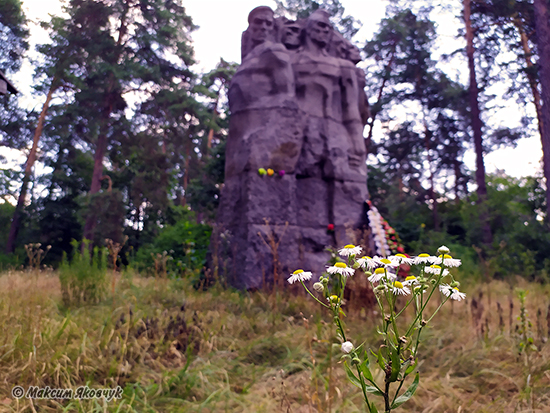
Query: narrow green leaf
395	363
408	394
373	390
373	408
352	377
410	368
364	367
381	359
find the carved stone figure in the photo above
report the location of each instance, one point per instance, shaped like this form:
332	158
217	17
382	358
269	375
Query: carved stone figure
296	110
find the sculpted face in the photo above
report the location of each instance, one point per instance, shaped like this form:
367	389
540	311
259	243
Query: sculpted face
261	26
291	36
354	54
319	31
340	49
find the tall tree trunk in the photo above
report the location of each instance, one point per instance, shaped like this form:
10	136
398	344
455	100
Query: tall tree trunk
101	147
543	44
531	77
16	220
387	72
476	127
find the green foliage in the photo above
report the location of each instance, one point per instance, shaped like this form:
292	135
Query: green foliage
345	24
83	278
186	241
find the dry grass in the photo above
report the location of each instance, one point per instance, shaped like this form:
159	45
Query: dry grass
175	349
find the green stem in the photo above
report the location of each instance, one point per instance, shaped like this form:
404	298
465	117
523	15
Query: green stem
426	303
399	388
363	386
315	298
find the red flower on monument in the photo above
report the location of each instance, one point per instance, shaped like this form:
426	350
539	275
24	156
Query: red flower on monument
330	227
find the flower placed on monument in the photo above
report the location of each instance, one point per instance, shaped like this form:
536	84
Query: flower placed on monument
262	171
270	172
330	227
282	173
349	249
299	275
341	268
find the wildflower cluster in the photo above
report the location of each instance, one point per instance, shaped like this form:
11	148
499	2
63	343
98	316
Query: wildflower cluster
398	355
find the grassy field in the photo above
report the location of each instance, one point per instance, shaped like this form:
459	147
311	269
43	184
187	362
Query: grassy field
174	349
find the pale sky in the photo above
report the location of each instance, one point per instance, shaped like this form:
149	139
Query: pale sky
221	23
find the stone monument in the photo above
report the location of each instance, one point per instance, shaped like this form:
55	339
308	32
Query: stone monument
295	173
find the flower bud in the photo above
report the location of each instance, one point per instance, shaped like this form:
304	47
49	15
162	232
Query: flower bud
455	284
443	250
324	280
355	361
423	322
347	347
319	287
368	273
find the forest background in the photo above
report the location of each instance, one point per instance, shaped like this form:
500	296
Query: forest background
128	138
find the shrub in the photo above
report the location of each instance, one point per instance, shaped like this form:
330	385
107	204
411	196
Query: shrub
83	279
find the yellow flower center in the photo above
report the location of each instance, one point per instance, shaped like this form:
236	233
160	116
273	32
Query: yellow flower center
446	256
333	298
423	255
456	288
298	272
340	265
410	278
437	267
397	284
385	261
349	246
379	271
400	255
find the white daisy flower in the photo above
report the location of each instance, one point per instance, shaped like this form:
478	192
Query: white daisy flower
388	263
448	261
452	293
349	250
381	273
436	270
341	268
411	280
424	259
299	275
399	289
378	274
347	347
368	263
402	259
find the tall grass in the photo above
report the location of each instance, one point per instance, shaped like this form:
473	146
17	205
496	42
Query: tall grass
173	349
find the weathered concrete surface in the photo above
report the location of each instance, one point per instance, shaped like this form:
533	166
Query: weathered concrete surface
297	107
